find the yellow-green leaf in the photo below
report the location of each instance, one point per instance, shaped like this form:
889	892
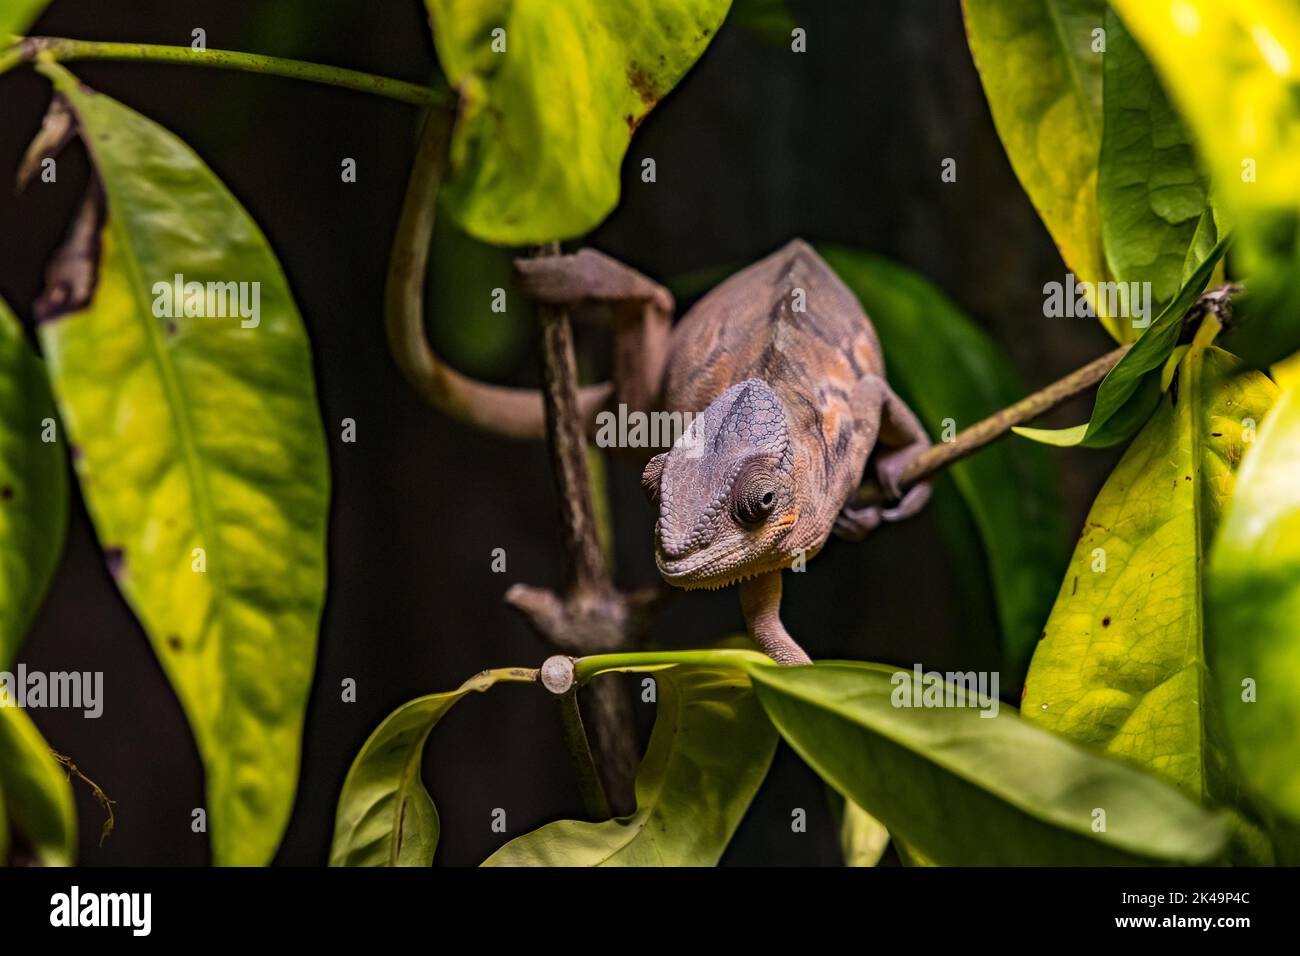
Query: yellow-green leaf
200	453
708	754
550	94
37	791
1042	77
17	15
1254	612
385	816
1122	663
863	838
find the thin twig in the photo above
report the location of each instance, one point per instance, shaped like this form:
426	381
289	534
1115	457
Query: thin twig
100	795
65	49
937	457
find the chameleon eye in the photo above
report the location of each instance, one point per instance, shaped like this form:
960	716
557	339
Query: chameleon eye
753	497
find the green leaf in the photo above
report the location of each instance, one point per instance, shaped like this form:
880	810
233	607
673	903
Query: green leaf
708	754
17	15
462	276
863	838
201	456
1122	665
1044	86
910	856
38	794
33	524
33	486
1232	69
385	815
1156	220
1131	391
971	790
960	374
543	124
1253	604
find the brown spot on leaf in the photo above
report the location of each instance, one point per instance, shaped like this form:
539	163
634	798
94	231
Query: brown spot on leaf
1105	621
173	642
7	493
642	84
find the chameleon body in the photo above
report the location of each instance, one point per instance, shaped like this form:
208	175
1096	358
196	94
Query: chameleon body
783	372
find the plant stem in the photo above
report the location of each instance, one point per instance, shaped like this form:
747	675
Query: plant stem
970	440
585	668
63	49
575	739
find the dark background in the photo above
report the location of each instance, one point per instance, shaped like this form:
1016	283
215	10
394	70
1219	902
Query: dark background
756	145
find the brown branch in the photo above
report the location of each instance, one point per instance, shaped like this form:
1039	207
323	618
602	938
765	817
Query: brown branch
593	616
566	438
970	440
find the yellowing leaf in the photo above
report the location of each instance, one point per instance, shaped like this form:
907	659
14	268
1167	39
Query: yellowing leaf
1233	69
200	453
550	94
1122	663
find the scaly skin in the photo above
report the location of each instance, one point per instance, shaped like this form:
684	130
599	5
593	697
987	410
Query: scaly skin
784	371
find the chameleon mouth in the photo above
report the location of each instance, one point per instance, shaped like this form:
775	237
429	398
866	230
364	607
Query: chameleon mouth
705	571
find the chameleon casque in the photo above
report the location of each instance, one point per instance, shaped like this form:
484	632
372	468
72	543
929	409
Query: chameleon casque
784	372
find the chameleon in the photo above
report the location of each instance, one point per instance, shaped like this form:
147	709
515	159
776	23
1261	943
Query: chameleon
782	373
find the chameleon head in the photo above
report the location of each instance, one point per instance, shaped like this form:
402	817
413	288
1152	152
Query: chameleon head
726	491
